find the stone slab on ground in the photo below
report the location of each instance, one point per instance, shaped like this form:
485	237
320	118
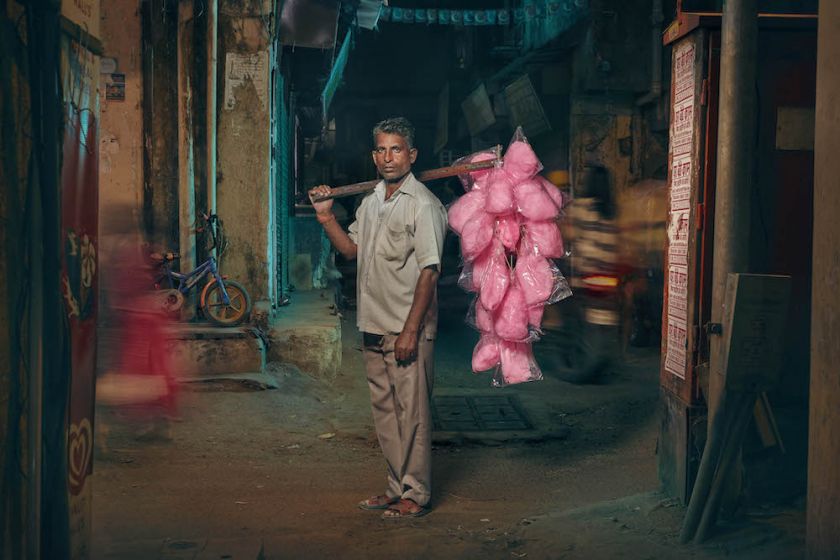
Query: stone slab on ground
203	350
307	333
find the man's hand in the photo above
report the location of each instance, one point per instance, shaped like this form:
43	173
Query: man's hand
405	347
324	207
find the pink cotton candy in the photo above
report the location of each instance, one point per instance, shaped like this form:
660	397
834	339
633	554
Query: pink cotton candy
486	354
535	315
483	318
507	230
479	269
512	315
499	192
521	161
465	208
552	190
495	282
476	235
534	202
516	362
545	237
534	276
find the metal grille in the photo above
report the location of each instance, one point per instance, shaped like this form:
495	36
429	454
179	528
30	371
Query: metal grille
479	414
282	161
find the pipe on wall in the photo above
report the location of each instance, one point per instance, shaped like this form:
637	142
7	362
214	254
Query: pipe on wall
655	92
737	121
212	64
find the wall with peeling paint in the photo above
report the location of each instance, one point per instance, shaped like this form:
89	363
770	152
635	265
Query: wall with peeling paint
243	143
121	139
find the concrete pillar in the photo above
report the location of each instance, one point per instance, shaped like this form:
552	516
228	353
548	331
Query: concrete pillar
824	445
160	123
244	150
120	144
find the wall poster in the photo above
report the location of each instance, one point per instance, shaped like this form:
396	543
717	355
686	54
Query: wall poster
681	147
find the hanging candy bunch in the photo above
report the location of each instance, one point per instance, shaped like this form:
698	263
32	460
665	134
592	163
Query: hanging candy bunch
507	223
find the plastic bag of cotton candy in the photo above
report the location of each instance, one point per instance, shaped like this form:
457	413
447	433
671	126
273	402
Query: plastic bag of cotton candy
507	223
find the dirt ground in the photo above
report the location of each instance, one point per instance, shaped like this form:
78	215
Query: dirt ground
276	474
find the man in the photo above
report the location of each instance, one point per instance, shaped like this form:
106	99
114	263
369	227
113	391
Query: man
397	239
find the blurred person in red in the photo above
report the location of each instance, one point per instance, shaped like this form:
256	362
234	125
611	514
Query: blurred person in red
138	375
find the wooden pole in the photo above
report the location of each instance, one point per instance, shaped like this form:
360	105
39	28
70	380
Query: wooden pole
823	531
728	458
428	175
718	425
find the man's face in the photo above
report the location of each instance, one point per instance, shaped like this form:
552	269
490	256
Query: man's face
393	157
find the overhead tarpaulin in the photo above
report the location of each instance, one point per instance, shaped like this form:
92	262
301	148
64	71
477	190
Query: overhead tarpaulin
309	23
335	75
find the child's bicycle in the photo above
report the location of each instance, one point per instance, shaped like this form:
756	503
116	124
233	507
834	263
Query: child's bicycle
223	301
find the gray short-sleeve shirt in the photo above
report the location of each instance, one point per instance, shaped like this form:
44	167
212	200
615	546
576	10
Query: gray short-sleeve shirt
396	239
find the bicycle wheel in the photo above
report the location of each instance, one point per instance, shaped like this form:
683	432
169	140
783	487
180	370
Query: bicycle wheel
227	315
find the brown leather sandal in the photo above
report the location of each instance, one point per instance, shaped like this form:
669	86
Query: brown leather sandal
377	502
405	508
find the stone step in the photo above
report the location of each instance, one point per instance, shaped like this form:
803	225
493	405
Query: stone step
307	333
201	350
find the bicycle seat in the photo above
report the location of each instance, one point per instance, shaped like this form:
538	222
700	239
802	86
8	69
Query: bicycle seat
165	257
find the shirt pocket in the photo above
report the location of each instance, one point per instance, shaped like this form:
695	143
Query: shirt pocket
394	242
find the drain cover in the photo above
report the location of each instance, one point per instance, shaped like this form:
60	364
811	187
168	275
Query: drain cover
478	414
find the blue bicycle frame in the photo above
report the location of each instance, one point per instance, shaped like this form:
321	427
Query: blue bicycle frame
185	282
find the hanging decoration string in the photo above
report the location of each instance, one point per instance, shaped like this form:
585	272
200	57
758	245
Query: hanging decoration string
551	9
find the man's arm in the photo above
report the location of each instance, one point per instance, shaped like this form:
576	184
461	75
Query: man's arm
405	347
324	214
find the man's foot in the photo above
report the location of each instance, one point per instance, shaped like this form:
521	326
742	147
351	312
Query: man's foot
405	508
377	502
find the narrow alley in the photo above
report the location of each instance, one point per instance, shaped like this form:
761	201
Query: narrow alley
252	472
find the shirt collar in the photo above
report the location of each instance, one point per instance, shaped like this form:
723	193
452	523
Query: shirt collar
409	187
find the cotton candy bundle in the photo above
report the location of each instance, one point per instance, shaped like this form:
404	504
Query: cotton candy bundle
520	161
476	235
545	238
465	208
483	319
486	354
516	362
494	283
507	230
534	202
535	315
552	190
509	216
512	316
535	277
499	192
477	270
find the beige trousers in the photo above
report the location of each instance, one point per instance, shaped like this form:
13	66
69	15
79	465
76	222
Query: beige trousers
399	398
